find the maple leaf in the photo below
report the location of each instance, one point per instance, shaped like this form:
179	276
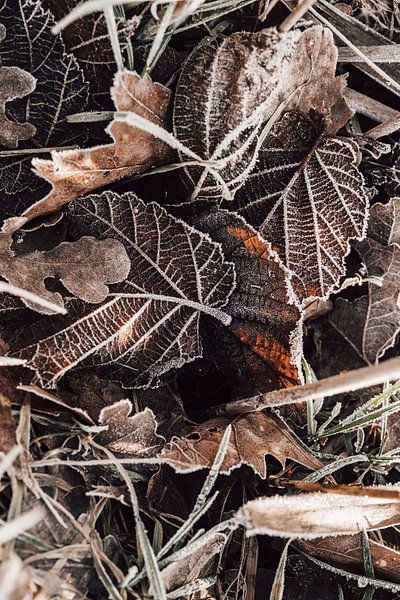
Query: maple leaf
253	437
228	91
14	83
74	173
370	324
264	310
84	267
149	324
60	89
307	198
134	435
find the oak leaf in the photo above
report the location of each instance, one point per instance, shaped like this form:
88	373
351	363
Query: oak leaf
149	324
133	435
74	173
307	198
253	437
264	309
315	515
228	91
14	83
32	46
84	267
370	324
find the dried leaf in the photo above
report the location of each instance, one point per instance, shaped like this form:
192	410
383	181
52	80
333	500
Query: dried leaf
346	552
84	267
371	323
60	88
133	435
74	173
307	198
264	310
149	324
314	515
253	437
14	83
228	91
193	566
7	426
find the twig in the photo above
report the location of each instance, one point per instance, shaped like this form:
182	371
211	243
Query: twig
296	15
22	151
369	107
338	384
7	288
86	8
389	53
386	128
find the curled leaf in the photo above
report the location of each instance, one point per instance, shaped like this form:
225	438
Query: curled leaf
14	83
74	173
84	267
150	323
314	515
307	198
253	437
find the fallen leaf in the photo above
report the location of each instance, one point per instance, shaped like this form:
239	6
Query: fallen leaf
264	309
307	198
149	324
253	437
227	92
14	83
133	435
60	87
194	566
84	267
370	324
7	426
315	515
346	552
74	173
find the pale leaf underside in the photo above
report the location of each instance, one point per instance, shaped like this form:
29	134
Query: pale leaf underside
307	199
149	324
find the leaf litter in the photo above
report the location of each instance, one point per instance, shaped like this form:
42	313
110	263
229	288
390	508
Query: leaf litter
243	255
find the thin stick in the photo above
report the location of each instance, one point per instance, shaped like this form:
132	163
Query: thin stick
22	151
296	15
386	128
86	8
7	288
389	53
338	384
369	107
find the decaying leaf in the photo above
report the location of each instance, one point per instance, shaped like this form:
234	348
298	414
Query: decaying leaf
253	437
74	173
149	324
346	552
264	310
133	435
315	515
307	198
60	88
7	426
84	267
371	323
193	566
228	91
14	83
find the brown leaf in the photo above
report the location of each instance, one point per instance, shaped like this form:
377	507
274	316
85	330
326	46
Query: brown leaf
7	426
74	173
346	552
264	310
228	91
253	437
14	83
150	324
193	566
84	266
371	323
307	198
133	435
314	515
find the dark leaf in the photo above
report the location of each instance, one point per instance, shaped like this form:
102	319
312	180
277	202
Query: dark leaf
307	198
149	324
